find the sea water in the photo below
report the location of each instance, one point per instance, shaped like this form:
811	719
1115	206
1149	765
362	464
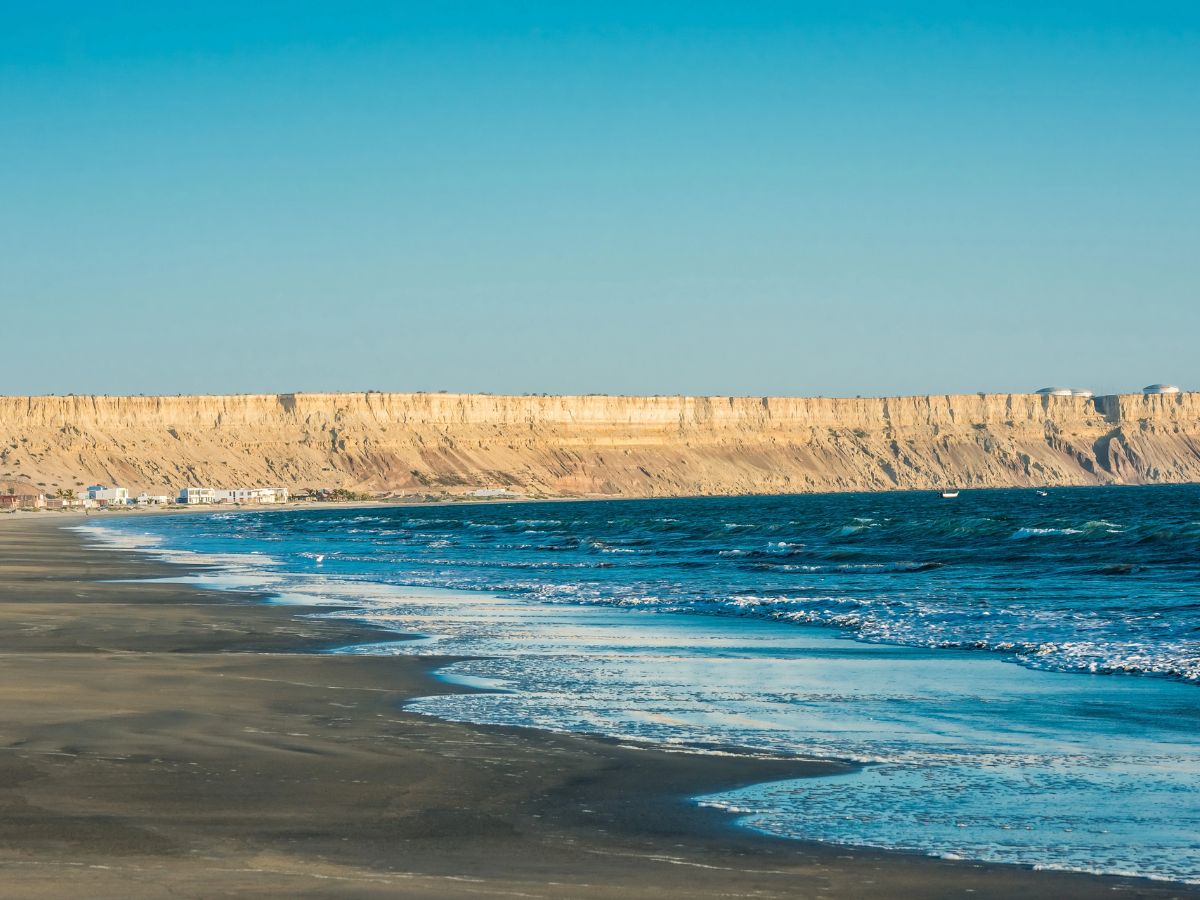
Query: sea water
1018	674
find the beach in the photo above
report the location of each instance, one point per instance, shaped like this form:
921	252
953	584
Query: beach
163	740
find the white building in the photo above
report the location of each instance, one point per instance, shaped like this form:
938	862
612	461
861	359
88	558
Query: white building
102	495
193	496
1066	392
1160	389
144	499
251	495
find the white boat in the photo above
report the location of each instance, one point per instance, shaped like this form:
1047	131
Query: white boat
949	495
1042	494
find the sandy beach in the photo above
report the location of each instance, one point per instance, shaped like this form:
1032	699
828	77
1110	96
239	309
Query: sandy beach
161	740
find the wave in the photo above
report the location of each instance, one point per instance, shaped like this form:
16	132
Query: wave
930	625
850	568
851	530
1022	533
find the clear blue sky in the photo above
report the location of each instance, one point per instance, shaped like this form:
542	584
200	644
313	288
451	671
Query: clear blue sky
692	197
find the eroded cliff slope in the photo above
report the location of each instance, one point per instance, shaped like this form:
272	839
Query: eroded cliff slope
596	445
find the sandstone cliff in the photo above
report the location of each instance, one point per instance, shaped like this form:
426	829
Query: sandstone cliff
596	445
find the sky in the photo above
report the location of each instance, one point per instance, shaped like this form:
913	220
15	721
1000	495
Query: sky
750	198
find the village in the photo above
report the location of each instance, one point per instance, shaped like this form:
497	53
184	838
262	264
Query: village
22	495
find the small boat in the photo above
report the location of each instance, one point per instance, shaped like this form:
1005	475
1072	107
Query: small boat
949	495
1042	494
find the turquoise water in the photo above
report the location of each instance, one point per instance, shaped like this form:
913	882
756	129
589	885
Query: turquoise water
1017	673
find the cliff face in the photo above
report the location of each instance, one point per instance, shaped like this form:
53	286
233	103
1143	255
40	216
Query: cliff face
614	446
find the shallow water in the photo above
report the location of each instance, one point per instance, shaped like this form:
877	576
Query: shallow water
969	691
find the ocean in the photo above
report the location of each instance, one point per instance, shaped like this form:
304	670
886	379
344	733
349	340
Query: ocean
1016	672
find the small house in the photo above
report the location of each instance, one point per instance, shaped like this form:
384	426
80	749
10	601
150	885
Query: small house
21	495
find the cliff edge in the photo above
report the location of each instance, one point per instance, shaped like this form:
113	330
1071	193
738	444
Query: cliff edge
599	445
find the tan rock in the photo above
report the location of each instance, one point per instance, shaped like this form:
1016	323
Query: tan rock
599	445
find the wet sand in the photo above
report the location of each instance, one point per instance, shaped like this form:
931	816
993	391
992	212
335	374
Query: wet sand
160	740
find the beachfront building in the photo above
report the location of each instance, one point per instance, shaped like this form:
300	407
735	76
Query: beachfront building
194	496
66	503
103	495
144	499
250	495
21	495
21	501
1160	389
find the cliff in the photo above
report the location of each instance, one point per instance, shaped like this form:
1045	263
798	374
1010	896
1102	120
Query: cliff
598	445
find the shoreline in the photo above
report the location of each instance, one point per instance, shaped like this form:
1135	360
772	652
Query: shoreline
101	761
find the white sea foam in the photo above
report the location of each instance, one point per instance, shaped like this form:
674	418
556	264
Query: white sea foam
1022	533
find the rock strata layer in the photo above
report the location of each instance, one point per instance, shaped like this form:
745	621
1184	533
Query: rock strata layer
422	444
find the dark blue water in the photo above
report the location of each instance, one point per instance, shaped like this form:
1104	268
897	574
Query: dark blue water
1019	669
